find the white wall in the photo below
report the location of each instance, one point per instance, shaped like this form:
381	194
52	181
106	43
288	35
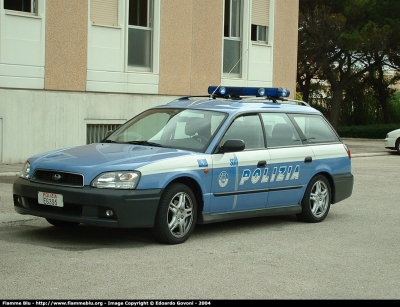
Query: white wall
261	56
40	121
22	48
107	49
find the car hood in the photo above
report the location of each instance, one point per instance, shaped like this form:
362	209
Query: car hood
394	132
101	157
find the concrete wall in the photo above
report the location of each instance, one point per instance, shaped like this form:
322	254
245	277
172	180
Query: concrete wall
40	121
22	48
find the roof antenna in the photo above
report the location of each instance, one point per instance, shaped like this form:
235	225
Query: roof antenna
229	72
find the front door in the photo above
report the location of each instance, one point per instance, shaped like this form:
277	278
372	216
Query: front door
239	182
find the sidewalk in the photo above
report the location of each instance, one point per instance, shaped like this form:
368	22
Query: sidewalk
10	169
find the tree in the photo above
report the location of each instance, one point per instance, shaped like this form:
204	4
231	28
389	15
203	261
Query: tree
383	50
336	45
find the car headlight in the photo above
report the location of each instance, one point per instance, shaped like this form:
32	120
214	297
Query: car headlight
116	180
24	173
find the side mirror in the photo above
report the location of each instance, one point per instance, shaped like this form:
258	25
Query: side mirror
232	146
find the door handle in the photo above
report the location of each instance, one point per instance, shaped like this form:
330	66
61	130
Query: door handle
262	164
308	160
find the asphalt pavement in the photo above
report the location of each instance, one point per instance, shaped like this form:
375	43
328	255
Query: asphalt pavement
9	172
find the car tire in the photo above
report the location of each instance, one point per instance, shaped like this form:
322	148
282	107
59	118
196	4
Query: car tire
59	223
398	146
316	201
176	215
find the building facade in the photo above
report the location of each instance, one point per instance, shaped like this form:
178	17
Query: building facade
71	70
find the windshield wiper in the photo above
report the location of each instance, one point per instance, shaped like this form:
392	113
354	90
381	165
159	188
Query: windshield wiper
145	143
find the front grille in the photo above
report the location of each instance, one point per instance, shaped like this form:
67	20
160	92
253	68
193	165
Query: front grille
58	178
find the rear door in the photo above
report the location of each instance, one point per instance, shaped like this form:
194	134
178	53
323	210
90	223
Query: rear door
291	163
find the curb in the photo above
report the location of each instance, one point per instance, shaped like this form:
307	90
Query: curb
6	218
370	154
9	174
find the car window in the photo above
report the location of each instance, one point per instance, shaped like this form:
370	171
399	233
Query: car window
175	128
315	128
143	127
280	130
247	128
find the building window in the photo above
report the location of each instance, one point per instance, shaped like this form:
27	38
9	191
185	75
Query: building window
260	21
259	33
140	34
29	6
96	132
232	37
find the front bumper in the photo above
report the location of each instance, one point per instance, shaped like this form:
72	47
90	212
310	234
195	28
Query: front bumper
132	208
390	143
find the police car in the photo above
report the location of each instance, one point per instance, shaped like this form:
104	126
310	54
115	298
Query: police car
238	152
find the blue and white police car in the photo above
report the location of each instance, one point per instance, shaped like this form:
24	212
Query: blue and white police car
239	152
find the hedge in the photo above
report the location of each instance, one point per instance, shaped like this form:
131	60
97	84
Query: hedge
378	131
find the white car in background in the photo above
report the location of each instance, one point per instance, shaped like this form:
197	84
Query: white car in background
392	140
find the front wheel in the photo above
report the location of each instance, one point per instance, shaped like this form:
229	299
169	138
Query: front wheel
176	215
59	223
317	200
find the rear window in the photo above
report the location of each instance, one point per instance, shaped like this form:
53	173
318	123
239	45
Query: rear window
280	130
315	128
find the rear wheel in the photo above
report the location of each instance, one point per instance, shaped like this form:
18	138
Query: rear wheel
398	146
176	215
317	200
59	223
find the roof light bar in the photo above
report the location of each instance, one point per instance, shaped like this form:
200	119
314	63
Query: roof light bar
234	91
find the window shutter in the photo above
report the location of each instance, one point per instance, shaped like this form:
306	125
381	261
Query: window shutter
260	12
104	12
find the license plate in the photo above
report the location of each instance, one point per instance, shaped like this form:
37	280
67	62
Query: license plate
50	199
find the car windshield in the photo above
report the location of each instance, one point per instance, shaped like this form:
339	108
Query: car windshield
173	128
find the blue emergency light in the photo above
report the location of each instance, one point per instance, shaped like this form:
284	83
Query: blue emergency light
235	91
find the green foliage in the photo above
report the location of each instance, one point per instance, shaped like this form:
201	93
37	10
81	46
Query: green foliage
359	105
366	108
299	96
347	45
366	131
394	107
320	97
